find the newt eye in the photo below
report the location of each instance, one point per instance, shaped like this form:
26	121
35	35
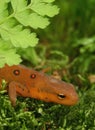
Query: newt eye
33	76
61	96
16	72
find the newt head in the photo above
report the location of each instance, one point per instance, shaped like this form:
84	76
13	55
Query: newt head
65	92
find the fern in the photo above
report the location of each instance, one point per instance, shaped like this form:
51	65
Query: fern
17	20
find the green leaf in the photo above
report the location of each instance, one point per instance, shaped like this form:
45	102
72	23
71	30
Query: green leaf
18	5
24	39
8	55
3	10
34	20
18	36
33	12
45	9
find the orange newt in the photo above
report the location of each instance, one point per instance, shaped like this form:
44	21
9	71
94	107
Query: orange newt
27	82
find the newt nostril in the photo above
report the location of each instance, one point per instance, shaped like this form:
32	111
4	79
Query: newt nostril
61	96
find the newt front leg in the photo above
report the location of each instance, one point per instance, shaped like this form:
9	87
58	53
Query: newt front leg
12	92
15	89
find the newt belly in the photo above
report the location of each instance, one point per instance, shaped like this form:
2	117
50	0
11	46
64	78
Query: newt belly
30	83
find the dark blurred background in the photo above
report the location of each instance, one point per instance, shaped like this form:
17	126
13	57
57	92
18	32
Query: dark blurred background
71	36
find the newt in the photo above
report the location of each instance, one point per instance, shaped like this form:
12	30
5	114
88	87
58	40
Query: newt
26	82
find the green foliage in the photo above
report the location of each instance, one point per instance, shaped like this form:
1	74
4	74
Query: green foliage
17	18
86	56
6	51
61	58
30	55
72	28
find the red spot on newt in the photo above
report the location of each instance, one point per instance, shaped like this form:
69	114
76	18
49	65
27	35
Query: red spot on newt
33	76
16	72
30	83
